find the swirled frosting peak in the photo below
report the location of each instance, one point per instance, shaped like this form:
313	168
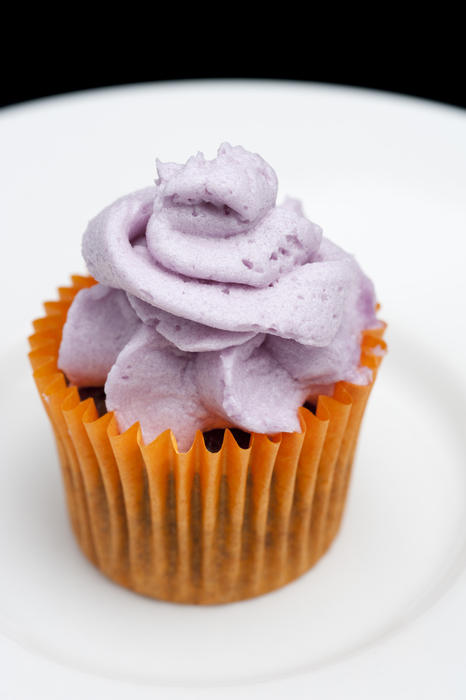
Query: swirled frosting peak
217	220
215	306
219	197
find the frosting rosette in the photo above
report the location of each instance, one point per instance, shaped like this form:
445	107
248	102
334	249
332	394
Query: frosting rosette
215	307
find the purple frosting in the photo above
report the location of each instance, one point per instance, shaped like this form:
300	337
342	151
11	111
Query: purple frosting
215	307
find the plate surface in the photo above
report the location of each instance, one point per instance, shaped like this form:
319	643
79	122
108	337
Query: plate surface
381	614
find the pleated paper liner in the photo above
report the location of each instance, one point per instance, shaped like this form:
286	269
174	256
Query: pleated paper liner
199	527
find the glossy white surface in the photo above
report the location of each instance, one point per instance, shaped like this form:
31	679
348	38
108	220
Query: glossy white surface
383	614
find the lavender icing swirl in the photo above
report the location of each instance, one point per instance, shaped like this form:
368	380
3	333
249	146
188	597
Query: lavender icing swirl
215	307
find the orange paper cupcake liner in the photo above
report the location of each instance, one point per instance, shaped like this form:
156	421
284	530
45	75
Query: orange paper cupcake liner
199	527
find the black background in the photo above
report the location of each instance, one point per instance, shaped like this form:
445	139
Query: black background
423	57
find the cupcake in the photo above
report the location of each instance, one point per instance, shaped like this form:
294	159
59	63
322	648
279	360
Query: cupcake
207	382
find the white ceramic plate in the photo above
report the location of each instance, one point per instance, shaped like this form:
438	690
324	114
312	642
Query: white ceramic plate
383	615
